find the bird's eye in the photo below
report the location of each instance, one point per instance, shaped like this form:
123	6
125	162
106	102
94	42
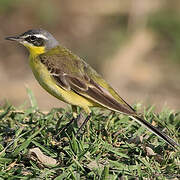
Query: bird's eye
33	38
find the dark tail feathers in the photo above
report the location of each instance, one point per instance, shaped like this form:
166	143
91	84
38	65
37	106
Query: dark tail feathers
156	131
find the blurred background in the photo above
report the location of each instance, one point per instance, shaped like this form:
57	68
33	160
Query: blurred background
134	44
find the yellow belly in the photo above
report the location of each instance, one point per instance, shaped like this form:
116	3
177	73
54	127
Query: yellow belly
48	83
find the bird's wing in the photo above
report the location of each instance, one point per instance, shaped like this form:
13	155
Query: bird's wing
72	73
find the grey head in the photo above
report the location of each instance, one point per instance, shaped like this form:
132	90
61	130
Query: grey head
36	37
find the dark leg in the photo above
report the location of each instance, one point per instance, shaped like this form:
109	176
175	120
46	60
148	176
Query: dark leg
83	124
68	124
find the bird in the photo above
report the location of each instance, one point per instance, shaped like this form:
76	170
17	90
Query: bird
70	79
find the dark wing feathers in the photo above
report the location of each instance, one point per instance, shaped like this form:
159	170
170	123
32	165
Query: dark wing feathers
61	81
76	83
72	74
96	93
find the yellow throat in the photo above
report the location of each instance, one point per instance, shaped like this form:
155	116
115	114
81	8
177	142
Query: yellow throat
34	50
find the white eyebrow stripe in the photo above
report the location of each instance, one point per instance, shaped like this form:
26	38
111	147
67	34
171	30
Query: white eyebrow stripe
37	35
41	36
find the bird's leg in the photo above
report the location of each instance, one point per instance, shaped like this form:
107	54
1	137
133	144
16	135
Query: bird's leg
69	123
84	123
76	117
75	111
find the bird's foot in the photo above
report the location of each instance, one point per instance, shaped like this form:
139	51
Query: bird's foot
83	124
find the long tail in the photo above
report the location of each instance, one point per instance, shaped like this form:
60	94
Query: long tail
156	131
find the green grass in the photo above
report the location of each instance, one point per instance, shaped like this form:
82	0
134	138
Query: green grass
113	146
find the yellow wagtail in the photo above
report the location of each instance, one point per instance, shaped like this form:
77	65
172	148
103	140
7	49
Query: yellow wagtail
70	79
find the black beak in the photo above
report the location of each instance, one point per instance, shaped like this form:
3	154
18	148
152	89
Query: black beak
14	38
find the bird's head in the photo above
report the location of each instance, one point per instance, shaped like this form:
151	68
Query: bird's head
37	41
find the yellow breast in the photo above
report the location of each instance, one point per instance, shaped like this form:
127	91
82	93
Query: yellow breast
48	83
